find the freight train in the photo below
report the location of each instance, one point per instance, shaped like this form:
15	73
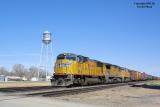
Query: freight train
71	69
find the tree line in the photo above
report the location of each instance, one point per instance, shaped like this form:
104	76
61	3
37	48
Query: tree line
20	71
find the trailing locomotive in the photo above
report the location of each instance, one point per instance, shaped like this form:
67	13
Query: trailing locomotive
75	69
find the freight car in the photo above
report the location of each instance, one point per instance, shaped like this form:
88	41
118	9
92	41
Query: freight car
72	69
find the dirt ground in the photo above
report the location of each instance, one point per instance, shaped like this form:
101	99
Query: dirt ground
123	96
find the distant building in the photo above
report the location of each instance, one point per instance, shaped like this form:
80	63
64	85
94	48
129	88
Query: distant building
40	79
48	78
24	79
14	78
34	79
2	78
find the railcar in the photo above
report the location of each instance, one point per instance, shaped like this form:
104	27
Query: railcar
133	75
71	69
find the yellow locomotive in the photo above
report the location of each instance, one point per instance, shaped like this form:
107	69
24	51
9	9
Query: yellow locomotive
76	69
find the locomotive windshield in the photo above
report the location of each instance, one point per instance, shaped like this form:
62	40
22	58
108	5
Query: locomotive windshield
69	57
61	57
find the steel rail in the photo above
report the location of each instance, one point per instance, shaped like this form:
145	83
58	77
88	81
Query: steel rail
77	90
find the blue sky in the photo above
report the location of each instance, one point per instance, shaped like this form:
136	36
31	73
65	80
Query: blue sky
113	31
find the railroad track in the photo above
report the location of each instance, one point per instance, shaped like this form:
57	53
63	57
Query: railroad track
25	89
77	90
48	91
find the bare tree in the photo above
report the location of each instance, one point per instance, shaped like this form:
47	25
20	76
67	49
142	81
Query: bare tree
4	71
18	70
26	73
33	72
42	73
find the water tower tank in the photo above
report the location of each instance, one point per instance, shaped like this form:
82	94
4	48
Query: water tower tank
46	37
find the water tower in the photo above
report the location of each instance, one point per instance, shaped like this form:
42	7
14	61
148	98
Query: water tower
46	53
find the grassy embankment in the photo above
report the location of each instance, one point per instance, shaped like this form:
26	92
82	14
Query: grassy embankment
24	84
155	84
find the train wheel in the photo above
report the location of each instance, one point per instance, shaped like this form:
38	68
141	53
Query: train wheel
84	81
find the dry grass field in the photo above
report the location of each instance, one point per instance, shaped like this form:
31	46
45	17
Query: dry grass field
153	83
24	84
47	83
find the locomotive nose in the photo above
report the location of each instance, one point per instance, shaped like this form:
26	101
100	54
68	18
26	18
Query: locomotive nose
62	66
